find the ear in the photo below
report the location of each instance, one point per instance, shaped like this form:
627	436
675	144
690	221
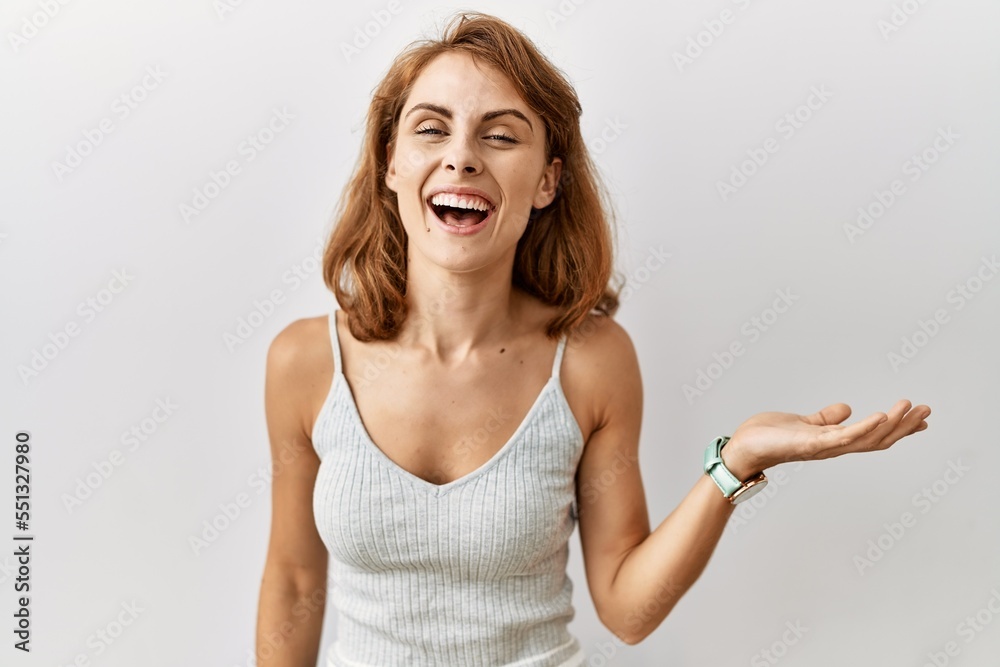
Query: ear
546	191
390	173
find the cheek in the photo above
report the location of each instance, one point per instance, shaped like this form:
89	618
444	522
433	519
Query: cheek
521	193
412	163
523	180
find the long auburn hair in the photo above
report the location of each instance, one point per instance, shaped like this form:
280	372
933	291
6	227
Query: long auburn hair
565	257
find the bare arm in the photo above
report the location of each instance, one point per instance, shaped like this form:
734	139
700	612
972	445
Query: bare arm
293	585
636	576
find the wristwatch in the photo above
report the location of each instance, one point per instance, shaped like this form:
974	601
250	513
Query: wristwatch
733	489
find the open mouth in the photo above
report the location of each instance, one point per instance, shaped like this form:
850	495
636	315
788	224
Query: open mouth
461	211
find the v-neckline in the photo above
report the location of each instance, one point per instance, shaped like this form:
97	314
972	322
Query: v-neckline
440	489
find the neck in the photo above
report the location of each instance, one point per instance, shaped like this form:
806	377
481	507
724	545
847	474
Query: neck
455	320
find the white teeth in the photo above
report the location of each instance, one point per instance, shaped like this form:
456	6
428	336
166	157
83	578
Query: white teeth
465	201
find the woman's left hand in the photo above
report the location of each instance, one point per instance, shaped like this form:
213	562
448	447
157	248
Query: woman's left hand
770	438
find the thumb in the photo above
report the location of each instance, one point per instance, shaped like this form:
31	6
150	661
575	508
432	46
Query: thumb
831	414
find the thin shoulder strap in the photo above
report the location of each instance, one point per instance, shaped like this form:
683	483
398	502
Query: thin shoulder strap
335	343
557	362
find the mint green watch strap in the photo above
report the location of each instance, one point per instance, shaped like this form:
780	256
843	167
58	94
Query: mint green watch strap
717	470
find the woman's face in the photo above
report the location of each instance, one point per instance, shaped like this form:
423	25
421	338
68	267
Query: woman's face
449	134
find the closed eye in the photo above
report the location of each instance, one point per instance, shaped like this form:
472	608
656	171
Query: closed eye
501	137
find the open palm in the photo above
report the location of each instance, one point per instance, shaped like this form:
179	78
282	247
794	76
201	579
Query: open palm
770	438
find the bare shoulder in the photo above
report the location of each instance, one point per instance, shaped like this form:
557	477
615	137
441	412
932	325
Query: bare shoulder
300	367
601	360
301	342
599	333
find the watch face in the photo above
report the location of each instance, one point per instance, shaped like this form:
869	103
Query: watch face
749	491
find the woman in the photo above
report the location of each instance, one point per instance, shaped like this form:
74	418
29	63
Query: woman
444	416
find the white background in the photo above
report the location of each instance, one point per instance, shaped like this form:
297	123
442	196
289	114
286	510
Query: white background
682	130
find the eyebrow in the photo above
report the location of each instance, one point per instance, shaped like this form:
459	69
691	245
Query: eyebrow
488	116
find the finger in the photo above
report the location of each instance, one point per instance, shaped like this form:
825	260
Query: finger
911	423
869	433
907	423
875	439
831	414
876	432
844	436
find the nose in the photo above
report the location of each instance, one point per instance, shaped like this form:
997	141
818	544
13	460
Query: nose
460	156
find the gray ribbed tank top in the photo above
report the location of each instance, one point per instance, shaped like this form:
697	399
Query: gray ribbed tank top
471	573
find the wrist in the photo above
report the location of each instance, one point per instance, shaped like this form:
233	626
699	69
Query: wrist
738	461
